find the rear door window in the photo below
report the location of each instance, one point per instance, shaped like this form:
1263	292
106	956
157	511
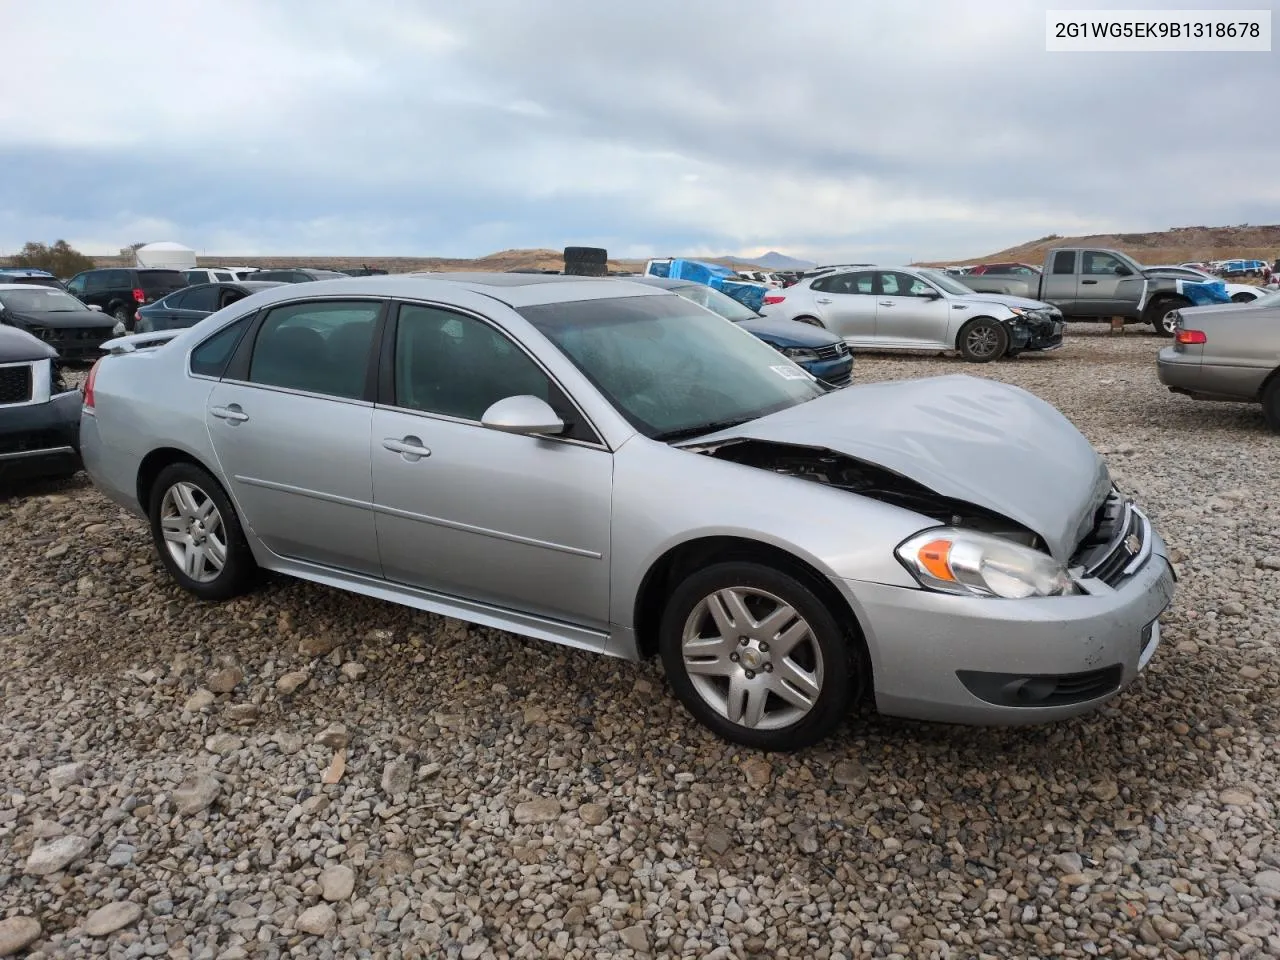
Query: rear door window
203	297
1064	262
319	347
160	282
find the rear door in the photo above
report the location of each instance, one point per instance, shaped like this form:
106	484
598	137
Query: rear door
1060	285
189	306
846	303
906	314
290	423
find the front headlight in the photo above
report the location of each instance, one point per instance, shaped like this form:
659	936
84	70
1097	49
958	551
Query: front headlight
799	354
981	565
1024	312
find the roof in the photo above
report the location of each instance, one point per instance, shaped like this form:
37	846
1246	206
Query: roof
26	287
24	272
514	290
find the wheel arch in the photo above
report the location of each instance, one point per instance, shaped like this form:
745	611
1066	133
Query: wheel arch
667	571
154	462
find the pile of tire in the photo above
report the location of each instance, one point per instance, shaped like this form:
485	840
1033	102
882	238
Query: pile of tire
586	262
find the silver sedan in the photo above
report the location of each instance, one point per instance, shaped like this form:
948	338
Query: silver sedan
606	465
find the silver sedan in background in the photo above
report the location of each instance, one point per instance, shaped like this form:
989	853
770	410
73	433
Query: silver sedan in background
609	466
908	308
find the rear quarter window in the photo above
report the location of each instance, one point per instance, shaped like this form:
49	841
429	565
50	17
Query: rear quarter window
211	357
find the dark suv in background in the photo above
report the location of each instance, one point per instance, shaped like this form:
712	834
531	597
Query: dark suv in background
120	291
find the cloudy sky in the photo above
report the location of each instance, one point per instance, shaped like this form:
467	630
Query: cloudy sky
844	129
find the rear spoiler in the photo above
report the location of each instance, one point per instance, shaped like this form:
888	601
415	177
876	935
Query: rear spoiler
139	341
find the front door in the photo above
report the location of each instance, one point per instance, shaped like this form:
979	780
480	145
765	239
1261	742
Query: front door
910	313
847	305
520	522
292	433
1099	284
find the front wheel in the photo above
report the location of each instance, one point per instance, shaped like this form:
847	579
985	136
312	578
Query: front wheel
198	535
982	340
757	657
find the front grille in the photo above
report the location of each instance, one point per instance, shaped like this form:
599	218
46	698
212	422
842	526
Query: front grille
1119	535
841	381
15	384
833	352
35	440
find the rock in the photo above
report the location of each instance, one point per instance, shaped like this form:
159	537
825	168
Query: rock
1268	881
290	683
718	840
535	714
196	793
56	855
1105	790
397	777
320	645
474	950
593	814
1250	673
18	933
223	743
1232	609
1266	563
225	680
67	774
337	882
112	917
850	773
242	713
544	810
1236	796
758	772
288	741
200	700
354	671
53	553
1069	862
318	921
334	736
635	938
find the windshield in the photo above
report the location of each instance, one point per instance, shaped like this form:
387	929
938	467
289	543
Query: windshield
40	300
946	283
672	369
716	302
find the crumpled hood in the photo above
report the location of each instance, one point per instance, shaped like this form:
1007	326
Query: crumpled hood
789	333
980	441
1009	300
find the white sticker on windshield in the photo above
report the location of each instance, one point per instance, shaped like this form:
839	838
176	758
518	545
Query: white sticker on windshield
789	373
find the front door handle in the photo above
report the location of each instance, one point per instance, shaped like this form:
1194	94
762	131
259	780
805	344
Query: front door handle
821	299
411	447
887	303
1088	282
232	413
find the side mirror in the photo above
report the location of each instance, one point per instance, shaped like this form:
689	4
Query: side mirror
931	294
523	414
94	306
1123	271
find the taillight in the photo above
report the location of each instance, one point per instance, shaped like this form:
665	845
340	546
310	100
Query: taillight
774	297
1190	336
140	296
88	383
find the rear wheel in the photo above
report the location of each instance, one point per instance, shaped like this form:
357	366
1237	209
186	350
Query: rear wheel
198	535
1271	403
982	340
756	656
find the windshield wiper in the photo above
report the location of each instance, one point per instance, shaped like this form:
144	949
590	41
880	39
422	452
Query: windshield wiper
685	433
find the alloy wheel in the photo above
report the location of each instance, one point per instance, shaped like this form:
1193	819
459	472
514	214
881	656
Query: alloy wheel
194	533
752	658
982	341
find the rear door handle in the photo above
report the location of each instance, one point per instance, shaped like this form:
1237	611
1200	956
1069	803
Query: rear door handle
1087	282
411	447
821	299
232	413
887	303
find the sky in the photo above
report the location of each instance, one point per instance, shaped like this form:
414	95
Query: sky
824	129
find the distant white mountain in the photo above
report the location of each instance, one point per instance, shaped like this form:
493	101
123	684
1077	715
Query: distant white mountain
777	261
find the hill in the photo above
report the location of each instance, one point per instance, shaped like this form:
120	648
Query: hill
1177	245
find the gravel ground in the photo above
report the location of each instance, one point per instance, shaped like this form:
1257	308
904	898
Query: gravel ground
308	773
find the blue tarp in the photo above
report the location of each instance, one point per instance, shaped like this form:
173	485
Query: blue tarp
717	277
1204	294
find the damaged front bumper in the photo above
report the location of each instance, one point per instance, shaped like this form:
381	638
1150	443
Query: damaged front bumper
985	661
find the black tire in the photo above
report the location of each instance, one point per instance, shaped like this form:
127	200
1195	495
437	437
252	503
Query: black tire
1159	313
812	321
982	340
1242	298
586	254
1271	403
239	570
827	653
